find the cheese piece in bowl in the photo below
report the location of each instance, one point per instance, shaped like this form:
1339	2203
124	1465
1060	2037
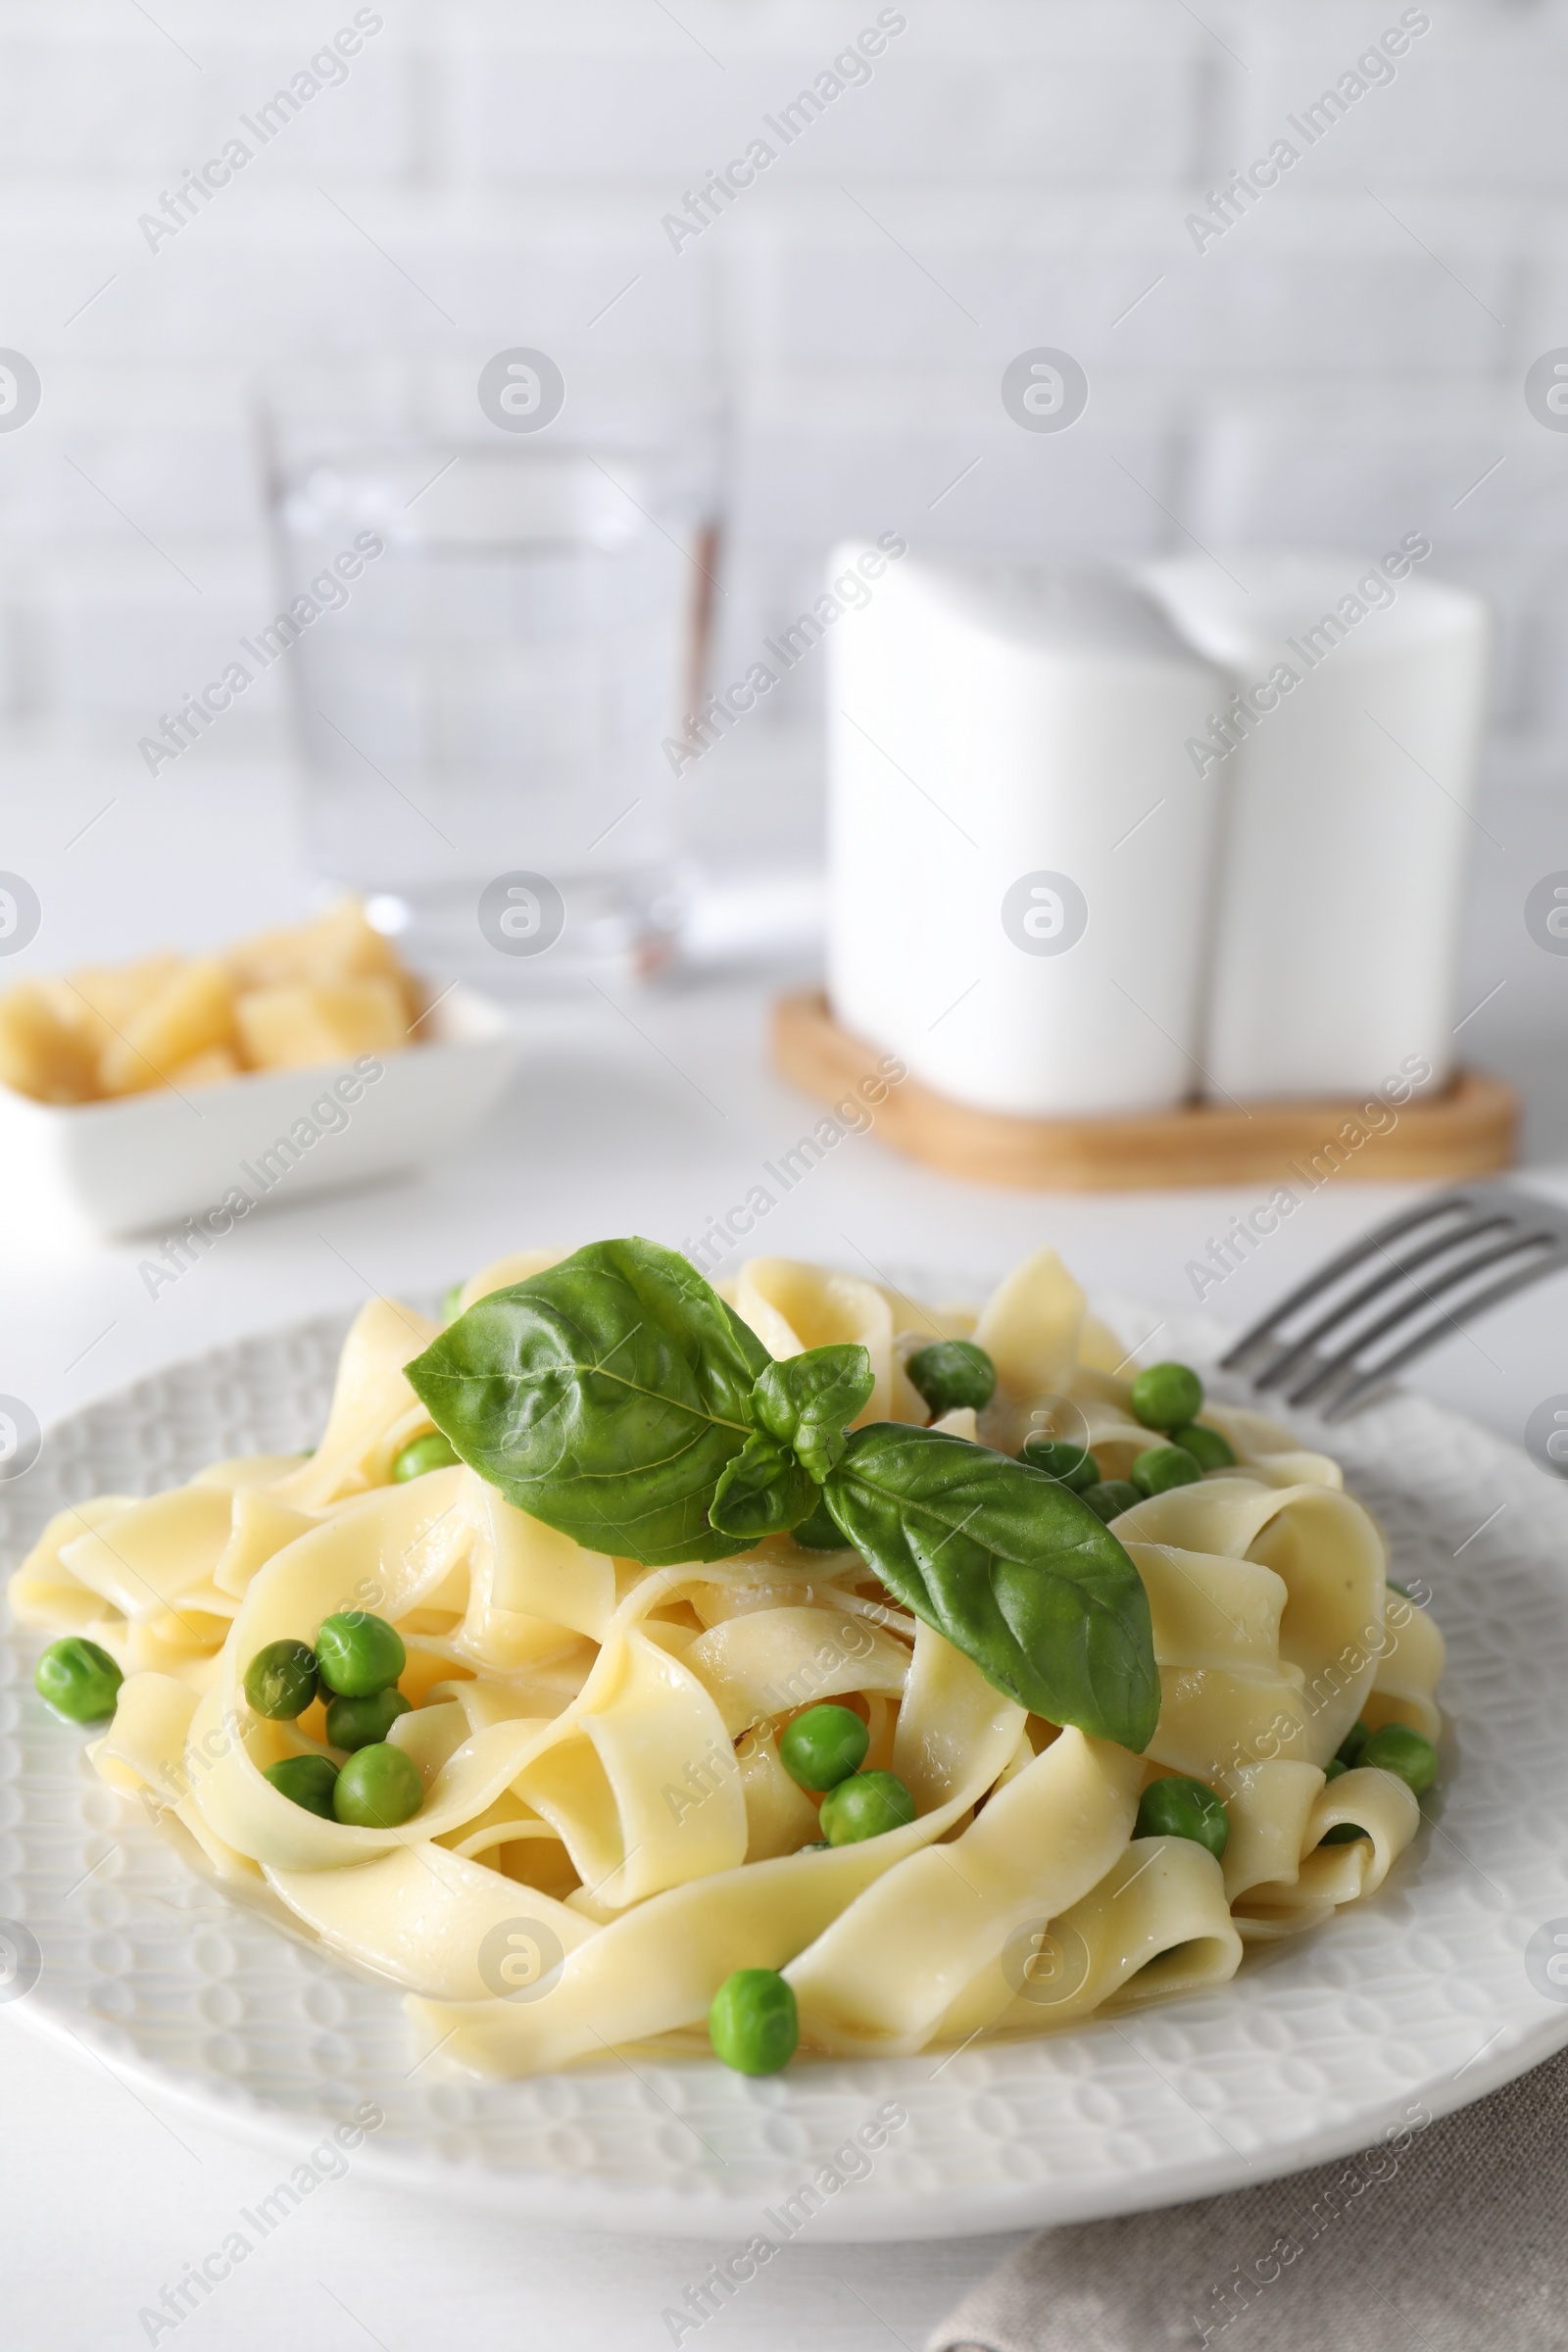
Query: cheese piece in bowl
322	992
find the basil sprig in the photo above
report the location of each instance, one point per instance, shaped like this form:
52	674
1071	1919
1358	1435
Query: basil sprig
804	1405
807	1401
616	1397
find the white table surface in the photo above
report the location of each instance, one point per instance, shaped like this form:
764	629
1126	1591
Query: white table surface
638	1112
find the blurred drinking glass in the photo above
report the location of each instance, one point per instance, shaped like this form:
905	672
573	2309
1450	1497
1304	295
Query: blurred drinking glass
510	621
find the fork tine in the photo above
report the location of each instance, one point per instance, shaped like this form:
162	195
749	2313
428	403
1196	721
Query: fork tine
1325	1375
1290	1356
1351	1396
1320	1280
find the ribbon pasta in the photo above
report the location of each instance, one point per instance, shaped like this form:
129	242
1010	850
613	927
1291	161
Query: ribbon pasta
608	1831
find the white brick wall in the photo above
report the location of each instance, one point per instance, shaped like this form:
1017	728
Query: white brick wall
1342	364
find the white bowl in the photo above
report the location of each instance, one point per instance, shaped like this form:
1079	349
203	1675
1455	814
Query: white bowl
147	1159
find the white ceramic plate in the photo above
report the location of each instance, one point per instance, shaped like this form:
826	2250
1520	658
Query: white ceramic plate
1422	1997
151	1159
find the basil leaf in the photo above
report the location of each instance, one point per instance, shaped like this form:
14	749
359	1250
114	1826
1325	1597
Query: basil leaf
819	1532
808	1400
763	1492
1012	1568
605	1397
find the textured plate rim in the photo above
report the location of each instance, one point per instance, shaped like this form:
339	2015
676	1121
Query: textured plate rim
635	2208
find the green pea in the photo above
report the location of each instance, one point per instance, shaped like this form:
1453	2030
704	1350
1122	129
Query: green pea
1208	1450
1166	1395
1409	1755
1176	1808
378	1788
432	1451
1332	1769
823	1746
280	1680
1163	1467
79	1680
950	1373
451	1303
1112	1497
753	2023
358	1654
1351	1747
363	1722
820	1531
867	1805
1073	1465
307	1781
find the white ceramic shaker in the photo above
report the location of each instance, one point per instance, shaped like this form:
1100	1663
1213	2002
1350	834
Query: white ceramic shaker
1348	755
1021	850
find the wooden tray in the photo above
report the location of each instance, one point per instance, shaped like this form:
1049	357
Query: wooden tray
1470	1130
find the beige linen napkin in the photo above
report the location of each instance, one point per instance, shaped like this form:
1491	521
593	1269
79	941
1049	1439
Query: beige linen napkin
1453	2236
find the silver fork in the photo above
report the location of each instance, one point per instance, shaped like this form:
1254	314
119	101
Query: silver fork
1446	1242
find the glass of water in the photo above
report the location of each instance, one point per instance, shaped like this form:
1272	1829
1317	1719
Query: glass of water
492	631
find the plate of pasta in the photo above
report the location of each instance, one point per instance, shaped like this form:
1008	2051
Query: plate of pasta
790	1753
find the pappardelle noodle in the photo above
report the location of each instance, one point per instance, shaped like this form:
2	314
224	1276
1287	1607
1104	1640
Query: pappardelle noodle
792	1664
